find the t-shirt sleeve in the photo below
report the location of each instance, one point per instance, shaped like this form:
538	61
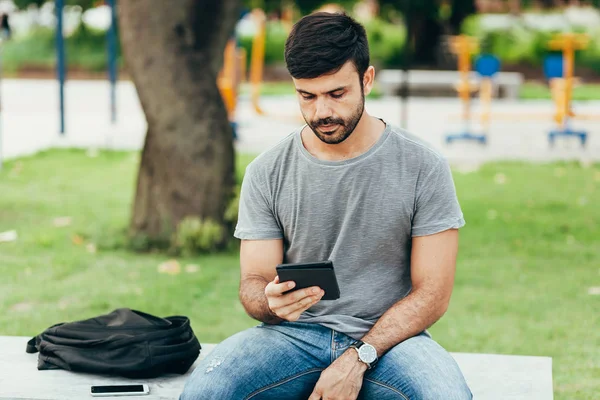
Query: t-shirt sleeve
256	219
437	208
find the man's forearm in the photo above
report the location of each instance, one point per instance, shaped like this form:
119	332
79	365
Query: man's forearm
252	296
408	317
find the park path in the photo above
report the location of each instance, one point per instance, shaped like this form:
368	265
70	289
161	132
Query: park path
29	122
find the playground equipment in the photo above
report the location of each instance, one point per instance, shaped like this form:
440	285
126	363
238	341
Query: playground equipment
234	71
111	37
230	76
558	69
257	62
258	58
487	65
464	47
559	72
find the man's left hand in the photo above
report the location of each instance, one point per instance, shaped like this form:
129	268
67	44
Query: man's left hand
342	379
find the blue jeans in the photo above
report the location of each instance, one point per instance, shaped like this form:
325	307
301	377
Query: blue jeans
285	361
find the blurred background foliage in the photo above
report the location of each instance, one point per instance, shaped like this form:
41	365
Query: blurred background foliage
515	31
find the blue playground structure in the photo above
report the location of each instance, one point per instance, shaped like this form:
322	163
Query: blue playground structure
486	66
554	72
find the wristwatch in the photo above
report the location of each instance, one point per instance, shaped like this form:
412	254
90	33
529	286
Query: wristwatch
366	353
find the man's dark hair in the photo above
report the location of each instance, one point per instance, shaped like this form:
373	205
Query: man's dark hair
321	43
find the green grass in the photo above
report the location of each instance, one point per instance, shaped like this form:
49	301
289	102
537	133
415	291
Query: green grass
538	91
529	255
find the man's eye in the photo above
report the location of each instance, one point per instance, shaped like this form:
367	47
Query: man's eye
308	96
337	95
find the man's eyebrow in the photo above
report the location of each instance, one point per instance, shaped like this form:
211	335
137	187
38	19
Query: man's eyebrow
303	91
329	92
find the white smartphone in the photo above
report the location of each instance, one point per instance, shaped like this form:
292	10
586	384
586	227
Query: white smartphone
119	390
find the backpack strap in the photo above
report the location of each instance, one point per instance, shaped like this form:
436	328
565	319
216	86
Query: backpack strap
31	346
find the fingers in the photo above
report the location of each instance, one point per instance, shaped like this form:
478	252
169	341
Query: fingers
289	306
292	311
275	288
317	393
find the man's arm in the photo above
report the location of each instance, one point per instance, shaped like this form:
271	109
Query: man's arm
433	262
261	293
433	265
258	259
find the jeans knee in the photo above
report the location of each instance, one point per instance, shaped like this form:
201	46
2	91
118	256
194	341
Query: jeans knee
198	387
196	392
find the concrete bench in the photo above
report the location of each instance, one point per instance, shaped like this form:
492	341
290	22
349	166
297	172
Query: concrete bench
491	377
442	83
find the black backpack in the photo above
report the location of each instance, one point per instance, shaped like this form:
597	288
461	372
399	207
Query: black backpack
125	342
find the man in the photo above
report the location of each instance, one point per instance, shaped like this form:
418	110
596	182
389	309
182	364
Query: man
382	206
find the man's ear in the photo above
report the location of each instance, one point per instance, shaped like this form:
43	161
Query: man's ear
368	80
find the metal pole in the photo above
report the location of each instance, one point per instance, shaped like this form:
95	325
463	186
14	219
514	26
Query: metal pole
60	53
404	91
112	60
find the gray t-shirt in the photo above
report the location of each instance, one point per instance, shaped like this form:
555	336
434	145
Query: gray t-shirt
360	213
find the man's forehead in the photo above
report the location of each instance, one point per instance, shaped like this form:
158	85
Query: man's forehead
327	83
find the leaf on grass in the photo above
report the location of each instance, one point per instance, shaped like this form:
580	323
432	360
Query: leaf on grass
8	236
91	248
77	240
61	222
16	169
467	168
594	291
22	307
92	152
170	267
500	179
65	302
192	268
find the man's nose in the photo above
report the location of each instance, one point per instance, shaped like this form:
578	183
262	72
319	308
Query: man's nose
323	110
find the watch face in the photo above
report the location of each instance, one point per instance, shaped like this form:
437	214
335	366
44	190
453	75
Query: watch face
367	353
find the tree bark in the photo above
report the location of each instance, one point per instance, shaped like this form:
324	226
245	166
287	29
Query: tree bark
173	51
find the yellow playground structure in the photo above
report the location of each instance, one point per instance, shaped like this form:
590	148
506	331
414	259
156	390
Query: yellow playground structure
465	47
234	73
558	70
474	76
234	70
231	75
257	62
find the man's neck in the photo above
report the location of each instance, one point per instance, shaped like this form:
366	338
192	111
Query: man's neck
365	135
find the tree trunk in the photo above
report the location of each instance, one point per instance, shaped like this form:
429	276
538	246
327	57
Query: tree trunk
426	39
173	51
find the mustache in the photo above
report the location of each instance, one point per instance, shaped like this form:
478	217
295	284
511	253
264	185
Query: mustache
328	121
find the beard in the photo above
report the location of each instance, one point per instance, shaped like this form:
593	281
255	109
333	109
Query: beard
343	127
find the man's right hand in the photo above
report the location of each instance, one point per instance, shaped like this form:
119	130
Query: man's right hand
289	306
